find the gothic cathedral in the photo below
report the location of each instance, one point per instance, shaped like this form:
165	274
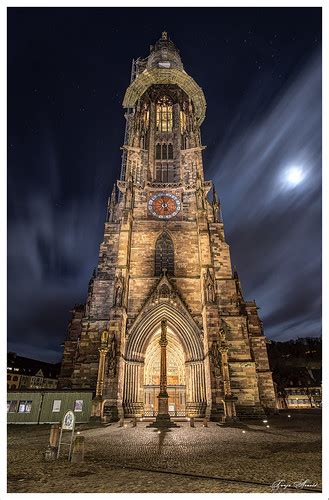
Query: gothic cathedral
164	258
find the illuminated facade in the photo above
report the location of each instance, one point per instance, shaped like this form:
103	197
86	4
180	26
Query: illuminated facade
164	257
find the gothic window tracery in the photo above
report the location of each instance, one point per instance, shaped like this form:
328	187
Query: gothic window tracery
164	151
164	115
164	254
164	165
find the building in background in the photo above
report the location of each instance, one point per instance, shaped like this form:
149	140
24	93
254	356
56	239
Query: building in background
27	373
164	256
297	373
309	396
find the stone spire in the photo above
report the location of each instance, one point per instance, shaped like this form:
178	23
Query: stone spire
164	54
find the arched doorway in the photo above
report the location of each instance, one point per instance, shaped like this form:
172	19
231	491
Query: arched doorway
176	386
185	354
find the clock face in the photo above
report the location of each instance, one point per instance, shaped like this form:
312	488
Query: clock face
164	205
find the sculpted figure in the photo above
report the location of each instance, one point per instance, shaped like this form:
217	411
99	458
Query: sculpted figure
209	288
215	357
118	291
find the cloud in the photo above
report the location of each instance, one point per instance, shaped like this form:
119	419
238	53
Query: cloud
52	250
275	231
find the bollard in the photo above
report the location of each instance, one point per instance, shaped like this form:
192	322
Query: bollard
134	422
78	450
205	422
121	421
50	453
54	435
192	422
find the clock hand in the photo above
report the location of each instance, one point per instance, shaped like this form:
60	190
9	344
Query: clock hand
164	204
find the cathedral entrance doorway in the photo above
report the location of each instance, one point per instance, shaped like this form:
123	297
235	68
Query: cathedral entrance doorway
185	361
175	376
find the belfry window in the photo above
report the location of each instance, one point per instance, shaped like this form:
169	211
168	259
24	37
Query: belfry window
164	115
164	255
164	152
164	165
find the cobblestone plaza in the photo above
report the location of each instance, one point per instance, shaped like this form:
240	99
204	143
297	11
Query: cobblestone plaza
246	458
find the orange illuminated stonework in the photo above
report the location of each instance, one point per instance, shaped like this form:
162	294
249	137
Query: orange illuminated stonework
164	257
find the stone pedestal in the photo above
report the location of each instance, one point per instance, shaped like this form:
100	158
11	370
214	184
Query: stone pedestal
229	408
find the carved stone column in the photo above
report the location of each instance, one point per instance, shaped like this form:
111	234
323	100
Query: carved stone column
163	417
98	400
163	394
229	398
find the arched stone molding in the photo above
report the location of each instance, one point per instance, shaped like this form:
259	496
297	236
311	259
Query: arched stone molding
187	332
190	338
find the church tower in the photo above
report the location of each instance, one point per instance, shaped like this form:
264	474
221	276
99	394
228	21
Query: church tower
164	258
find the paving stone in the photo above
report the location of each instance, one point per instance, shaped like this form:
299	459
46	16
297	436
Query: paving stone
124	459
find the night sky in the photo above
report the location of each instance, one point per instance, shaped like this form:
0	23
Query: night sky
68	68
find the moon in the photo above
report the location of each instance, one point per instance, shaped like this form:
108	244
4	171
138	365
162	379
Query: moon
294	176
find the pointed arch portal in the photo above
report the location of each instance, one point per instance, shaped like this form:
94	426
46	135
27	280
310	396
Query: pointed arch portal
185	355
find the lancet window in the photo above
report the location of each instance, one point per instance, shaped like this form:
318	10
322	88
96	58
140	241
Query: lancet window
164	152
164	255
